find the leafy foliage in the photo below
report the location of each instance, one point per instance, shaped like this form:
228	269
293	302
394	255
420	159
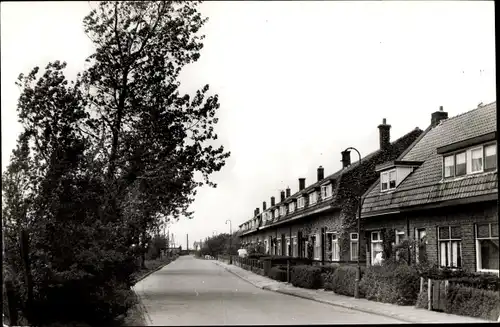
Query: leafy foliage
219	244
278	274
343	280
105	160
306	276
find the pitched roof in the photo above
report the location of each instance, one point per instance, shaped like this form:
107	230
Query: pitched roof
425	184
335	179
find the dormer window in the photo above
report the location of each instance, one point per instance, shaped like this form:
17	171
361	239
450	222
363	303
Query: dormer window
476	159
282	210
313	198
301	202
291	207
276	213
326	191
490	157
388	180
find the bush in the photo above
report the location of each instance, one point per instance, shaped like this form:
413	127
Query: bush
469	279
327	276
343	280
391	283
277	274
472	302
422	299
306	276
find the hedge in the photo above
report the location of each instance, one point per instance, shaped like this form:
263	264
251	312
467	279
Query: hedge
306	276
277	274
470	279
467	301
392	283
327	276
343	280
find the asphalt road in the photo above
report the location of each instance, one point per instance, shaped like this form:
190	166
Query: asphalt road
192	291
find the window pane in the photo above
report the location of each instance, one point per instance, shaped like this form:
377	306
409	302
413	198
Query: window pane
442	254
490	157
456	232
384	186
460	167
483	230
455	250
354	250
384	178
444	233
494	230
449	166
477	160
392	176
489	254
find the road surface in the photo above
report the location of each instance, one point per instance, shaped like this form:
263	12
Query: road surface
192	291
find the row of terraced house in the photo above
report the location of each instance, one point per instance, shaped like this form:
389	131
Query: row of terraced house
436	187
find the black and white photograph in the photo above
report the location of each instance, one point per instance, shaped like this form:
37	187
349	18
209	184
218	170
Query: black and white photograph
212	163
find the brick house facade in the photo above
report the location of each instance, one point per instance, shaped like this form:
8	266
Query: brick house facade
318	221
442	194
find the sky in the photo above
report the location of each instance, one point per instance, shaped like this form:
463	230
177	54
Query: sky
298	82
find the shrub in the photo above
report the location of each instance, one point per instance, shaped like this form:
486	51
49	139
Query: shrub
391	283
469	279
277	274
469	301
327	276
422	299
343	280
306	276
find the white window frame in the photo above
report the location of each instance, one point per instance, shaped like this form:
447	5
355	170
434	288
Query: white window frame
326	191
313	196
375	242
386	176
481	151
266	246
355	240
276	213
317	247
300	202
449	249
291	207
287	251
334	250
494	145
295	247
478	249
278	246
282	210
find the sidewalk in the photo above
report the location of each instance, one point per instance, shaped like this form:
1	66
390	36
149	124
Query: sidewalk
408	314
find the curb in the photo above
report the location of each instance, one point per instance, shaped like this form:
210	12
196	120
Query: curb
151	272
347	306
342	305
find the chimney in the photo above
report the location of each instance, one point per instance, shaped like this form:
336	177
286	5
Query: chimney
302	184
272	201
288	192
263	206
346	158
254	212
321	173
257	210
437	116
282	196
385	135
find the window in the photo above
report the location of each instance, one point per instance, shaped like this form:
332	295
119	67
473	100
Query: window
450	246
487	247
287	246
449	166
354	246
420	251
279	247
333	253
276	213
266	245
377	248
460	166
400	236
490	157
313	198
282	211
295	248
316	247
388	180
326	191
291	207
300	202
476	160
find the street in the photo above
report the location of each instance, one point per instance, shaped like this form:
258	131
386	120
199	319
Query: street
192	291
